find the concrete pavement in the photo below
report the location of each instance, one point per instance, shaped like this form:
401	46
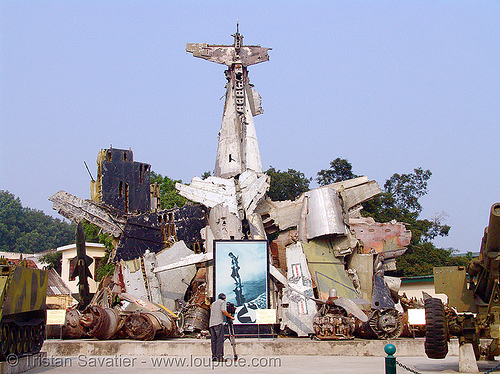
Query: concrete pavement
246	364
245	346
284	355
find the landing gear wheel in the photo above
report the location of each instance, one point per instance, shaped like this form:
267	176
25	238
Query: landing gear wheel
436	334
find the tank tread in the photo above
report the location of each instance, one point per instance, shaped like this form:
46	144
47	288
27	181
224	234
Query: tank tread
21	338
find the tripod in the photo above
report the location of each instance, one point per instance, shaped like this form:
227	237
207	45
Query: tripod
232	340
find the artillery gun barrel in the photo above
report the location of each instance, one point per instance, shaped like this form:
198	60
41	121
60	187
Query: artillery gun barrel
493	233
491	240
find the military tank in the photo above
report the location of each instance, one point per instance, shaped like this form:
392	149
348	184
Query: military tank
22	308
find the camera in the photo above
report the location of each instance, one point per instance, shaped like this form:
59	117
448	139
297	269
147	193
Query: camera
231	308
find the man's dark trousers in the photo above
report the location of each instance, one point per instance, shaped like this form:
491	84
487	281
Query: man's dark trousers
217	339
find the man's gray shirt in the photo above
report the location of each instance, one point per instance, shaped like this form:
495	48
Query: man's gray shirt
216	316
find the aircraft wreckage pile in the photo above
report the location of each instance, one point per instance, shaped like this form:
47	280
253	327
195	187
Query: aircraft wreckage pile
326	262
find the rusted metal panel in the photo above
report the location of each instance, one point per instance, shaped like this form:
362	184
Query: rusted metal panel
381	237
278	247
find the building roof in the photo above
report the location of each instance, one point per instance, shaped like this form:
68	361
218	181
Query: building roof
56	285
419	279
87	244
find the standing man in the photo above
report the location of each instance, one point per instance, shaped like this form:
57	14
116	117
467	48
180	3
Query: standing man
216	325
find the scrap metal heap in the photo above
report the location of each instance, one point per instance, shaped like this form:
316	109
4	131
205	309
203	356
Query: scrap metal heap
322	242
135	302
327	262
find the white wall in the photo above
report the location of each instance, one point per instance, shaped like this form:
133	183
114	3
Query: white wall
415	289
94	250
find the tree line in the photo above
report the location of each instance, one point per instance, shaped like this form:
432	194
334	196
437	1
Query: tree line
27	230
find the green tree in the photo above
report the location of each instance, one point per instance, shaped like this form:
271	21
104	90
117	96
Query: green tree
340	170
53	259
400	201
286	185
168	195
27	230
421	258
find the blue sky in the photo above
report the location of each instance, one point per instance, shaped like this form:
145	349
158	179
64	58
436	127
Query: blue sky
391	86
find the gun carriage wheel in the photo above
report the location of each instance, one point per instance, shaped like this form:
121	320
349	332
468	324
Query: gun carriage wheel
436	335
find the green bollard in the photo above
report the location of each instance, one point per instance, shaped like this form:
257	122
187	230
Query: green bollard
390	360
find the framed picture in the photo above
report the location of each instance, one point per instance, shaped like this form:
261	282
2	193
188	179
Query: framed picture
241	272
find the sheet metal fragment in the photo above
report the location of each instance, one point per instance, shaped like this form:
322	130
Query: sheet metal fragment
301	309
327	270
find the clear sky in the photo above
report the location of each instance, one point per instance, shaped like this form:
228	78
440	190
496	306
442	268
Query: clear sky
389	85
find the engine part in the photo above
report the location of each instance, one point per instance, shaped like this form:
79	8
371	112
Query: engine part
384	324
101	323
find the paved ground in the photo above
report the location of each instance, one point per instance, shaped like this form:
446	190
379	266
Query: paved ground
276	365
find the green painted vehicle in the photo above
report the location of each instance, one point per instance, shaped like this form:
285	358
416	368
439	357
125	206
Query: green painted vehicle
23	313
473	310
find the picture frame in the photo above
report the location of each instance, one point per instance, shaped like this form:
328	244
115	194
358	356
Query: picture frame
241	272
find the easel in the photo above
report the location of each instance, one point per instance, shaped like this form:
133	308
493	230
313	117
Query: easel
56	317
265	317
